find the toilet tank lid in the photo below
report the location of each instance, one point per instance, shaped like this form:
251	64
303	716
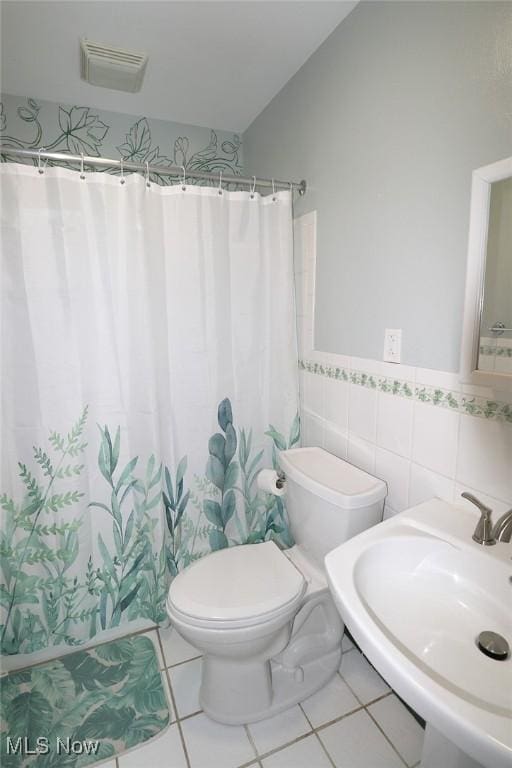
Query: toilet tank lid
331	478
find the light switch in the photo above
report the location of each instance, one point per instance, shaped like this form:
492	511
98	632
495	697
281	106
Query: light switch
392	345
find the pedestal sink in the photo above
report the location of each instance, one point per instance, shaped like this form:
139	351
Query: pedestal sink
416	592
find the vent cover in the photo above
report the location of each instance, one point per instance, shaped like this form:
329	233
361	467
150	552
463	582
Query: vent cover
110	67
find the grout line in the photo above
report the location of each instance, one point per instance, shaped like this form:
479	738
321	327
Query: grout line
305	715
378	407
379	698
411	450
284	746
316	730
180	663
251	740
350	687
178	722
325	725
190	715
175	708
457	452
325	750
386	737
372	701
247	764
177	664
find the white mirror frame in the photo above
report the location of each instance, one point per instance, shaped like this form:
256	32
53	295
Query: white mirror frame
473	304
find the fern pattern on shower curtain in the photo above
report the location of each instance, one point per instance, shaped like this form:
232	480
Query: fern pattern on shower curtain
99	513
132	578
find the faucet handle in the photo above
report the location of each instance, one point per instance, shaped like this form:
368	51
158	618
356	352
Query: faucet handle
473	499
483	532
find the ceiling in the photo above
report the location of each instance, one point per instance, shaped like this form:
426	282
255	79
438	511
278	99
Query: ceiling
213	64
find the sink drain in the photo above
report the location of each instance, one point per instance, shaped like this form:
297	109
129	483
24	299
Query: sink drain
493	645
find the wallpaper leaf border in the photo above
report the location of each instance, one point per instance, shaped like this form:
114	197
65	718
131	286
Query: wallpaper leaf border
83	131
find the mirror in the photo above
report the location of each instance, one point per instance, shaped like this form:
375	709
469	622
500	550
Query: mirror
495	347
487	332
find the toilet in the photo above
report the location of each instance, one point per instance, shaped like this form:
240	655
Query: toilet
264	618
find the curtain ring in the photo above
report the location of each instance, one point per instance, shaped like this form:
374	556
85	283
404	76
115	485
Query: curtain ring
220	183
122	171
39	168
273	191
183	179
147	175
253	187
82	174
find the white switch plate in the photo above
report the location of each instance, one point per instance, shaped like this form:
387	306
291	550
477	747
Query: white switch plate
392	345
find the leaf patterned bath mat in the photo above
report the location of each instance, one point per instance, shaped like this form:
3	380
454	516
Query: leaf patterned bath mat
83	708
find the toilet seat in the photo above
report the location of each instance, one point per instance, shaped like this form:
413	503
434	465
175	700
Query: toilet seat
241	586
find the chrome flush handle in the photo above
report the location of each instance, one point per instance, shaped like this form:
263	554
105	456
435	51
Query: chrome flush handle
483	532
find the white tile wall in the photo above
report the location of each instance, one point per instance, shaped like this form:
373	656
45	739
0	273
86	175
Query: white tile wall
421	450
395	423
362	414
435	433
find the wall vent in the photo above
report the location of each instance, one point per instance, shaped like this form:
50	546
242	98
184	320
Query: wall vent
109	67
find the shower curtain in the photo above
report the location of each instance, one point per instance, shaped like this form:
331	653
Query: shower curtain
148	372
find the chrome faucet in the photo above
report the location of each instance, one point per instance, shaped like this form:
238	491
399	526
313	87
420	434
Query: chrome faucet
485	533
502	531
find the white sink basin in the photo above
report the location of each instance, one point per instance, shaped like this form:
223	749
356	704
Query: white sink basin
415	592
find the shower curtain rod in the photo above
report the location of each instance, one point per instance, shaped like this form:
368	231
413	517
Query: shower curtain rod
170	170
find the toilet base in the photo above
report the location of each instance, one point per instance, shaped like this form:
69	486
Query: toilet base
282	688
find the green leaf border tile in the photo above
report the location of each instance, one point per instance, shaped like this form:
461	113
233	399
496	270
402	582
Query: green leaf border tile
436	396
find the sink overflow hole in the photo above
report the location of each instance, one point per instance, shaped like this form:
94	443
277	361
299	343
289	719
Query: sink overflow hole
493	645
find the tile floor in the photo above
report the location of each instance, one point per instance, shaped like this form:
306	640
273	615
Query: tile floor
356	721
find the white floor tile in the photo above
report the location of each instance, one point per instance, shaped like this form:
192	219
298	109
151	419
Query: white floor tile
356	742
307	753
281	729
332	701
400	727
346	643
153	636
366	683
185	682
167	690
176	649
212	745
165	751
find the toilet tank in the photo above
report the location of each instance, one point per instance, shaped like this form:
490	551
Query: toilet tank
328	500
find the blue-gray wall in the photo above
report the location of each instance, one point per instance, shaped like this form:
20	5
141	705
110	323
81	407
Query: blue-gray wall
32	123
386	121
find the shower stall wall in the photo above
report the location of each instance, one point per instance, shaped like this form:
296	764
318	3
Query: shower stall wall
148	371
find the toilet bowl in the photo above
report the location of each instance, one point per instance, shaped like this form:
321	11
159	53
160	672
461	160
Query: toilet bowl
263	618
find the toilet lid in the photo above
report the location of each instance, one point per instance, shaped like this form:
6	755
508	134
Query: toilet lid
237	583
